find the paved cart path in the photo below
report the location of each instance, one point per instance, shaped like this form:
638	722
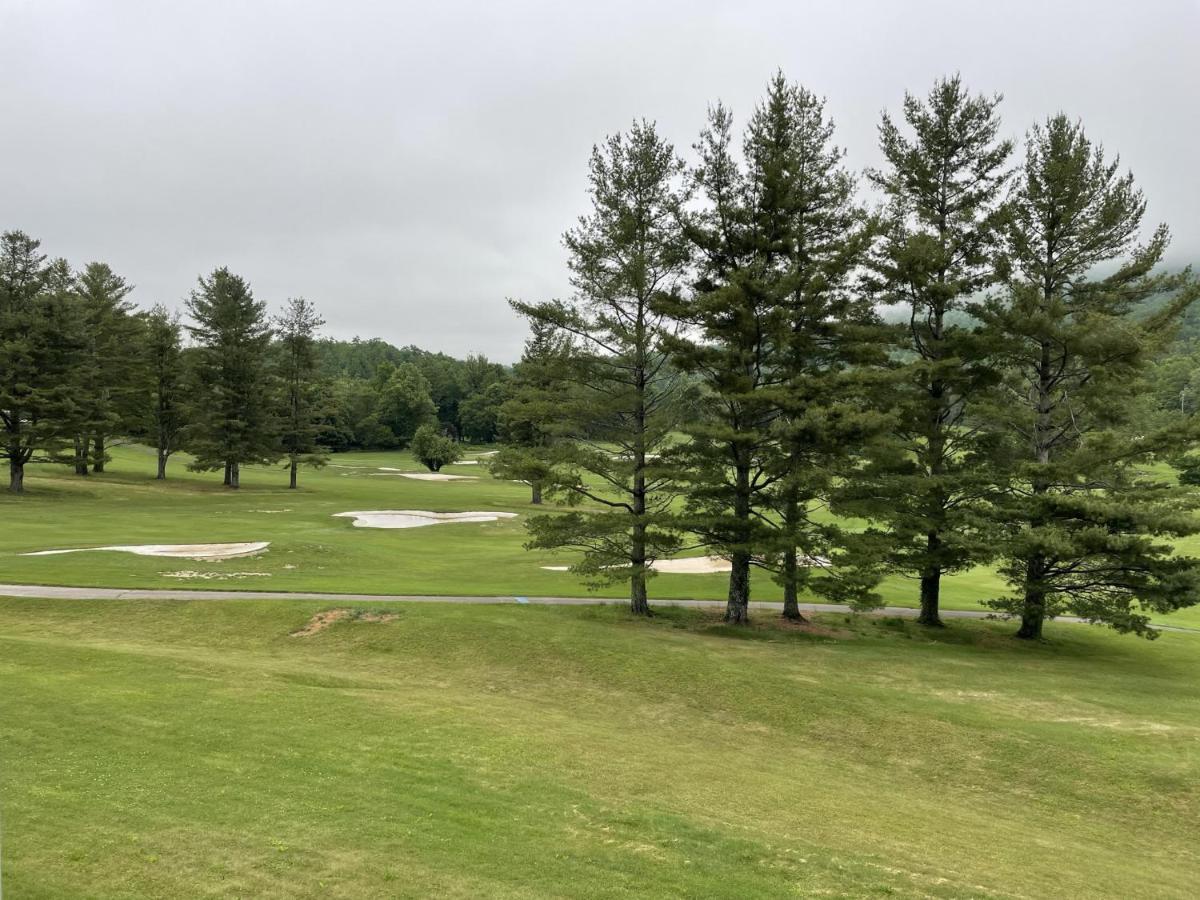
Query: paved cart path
54	592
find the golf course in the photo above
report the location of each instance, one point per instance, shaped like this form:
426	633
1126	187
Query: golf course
291	748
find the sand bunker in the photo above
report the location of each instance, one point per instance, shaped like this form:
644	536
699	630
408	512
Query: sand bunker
209	552
437	476
693	565
416	518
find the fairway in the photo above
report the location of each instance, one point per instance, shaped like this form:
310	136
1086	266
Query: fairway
197	749
312	549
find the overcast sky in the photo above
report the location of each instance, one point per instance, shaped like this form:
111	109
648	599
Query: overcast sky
407	166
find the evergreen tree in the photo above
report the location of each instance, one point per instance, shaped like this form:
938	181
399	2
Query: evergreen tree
41	346
1086	528
528	418
944	182
736	331
231	420
110	372
808	238
619	389
299	372
166	382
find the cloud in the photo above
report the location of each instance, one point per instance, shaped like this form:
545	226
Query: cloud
408	166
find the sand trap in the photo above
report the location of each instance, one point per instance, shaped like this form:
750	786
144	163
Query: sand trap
692	565
208	552
436	476
416	518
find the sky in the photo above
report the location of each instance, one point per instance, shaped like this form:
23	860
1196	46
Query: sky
408	166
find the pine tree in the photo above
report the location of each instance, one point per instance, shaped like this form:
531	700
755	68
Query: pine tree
944	182
41	346
109	382
619	390
1086	529
165	383
809	238
298	370
528	418
231	419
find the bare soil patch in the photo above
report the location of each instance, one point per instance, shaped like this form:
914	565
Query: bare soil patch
329	617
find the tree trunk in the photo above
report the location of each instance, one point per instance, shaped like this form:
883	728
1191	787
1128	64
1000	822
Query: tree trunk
81	455
536	488
16	476
737	609
931	584
228	473
791	586
162	465
292	473
639	603
1033	607
235	475
98	454
790	576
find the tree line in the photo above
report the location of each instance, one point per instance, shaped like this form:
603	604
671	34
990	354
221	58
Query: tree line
81	366
955	351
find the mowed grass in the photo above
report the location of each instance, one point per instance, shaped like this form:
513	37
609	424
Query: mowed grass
195	749
311	550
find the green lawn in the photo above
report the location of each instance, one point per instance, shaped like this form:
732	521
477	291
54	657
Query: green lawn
195	749
313	551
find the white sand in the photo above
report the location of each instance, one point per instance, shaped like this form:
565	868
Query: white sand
208	552
437	476
693	565
416	518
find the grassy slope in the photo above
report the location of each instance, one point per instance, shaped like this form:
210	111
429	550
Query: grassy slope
195	749
311	550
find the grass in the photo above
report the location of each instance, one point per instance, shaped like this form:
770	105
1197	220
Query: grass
200	749
313	551
196	749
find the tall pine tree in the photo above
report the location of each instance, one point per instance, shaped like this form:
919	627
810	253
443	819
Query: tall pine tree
735	326
109	383
41	349
620	400
1087	530
528	419
299	369
810	239
944	180
165	383
231	417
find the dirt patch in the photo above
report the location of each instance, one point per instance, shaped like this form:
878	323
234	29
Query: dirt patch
211	576
329	617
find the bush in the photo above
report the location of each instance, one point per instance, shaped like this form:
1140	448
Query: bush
433	449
